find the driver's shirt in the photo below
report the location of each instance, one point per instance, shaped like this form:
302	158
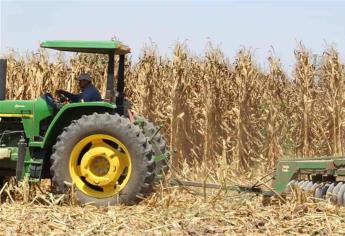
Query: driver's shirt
88	94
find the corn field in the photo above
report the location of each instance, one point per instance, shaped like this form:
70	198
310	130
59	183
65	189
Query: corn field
228	121
211	107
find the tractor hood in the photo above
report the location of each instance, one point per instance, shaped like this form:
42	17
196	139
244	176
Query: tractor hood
26	108
16	108
31	113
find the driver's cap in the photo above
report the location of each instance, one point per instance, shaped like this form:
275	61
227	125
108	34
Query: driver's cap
84	76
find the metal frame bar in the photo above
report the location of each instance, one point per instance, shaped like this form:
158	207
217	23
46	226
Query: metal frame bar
109	96
3	68
121	86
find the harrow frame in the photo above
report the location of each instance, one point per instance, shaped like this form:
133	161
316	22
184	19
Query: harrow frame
316	169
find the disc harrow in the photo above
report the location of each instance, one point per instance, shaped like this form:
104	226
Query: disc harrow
335	191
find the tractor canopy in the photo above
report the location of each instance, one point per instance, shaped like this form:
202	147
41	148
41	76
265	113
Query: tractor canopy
101	47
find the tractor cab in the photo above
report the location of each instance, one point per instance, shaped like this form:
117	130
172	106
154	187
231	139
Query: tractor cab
111	48
42	119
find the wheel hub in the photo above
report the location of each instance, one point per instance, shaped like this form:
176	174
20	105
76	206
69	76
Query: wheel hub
105	164
99	166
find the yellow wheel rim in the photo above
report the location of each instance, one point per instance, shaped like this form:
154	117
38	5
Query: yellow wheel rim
100	165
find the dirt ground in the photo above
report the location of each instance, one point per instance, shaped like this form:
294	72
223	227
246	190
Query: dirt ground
175	211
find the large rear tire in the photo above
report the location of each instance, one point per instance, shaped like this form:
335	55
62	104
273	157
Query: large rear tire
158	143
107	158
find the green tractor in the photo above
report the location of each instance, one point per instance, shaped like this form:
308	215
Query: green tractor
109	155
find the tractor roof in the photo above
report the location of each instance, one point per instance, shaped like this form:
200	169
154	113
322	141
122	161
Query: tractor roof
102	47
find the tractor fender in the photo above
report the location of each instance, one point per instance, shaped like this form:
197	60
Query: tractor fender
70	112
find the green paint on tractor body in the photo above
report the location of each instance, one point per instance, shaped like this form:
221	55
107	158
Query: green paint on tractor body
102	47
31	114
40	123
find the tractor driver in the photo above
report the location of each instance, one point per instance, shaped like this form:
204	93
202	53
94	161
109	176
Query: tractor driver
89	92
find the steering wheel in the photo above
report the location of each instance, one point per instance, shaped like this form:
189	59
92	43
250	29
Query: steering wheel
62	98
50	100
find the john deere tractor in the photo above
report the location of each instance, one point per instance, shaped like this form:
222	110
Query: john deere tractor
108	154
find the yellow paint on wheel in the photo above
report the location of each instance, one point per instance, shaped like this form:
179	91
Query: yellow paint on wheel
100	165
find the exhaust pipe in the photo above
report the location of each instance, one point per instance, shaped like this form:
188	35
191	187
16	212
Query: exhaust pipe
3	69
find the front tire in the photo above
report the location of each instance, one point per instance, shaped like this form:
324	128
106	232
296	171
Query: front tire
107	158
